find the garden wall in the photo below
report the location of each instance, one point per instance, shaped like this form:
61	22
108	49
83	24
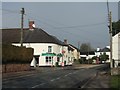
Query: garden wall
6	68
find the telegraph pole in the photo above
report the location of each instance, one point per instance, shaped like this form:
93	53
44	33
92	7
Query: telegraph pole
78	50
22	18
110	32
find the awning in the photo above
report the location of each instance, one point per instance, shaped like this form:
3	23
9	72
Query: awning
59	55
48	54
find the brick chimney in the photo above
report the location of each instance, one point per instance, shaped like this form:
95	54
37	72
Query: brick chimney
31	25
65	41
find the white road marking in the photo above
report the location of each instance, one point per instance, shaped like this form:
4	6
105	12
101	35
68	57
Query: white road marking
69	73
38	85
58	78
52	80
66	75
75	72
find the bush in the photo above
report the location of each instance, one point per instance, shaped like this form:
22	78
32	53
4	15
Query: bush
82	60
15	54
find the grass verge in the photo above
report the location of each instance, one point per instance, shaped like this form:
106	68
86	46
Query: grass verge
115	82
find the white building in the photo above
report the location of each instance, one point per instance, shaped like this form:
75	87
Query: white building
87	55
116	48
48	50
105	50
76	52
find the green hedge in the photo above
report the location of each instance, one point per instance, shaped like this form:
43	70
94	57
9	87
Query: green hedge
15	54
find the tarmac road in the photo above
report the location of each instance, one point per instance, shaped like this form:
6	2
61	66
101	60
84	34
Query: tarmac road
70	77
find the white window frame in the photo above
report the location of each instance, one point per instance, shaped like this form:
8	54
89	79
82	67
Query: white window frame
49	49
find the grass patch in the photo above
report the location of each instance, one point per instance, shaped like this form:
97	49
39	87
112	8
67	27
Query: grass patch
115	81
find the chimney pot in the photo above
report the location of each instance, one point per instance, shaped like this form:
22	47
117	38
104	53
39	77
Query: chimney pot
65	41
31	25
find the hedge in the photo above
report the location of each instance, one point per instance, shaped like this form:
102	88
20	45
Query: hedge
15	54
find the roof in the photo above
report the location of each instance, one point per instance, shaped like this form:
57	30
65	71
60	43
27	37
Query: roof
105	50
36	36
74	47
87	53
69	48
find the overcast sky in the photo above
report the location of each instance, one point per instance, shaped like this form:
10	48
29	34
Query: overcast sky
84	22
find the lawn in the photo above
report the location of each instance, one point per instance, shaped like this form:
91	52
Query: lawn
115	82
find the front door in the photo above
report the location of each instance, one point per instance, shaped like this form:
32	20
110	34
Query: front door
37	59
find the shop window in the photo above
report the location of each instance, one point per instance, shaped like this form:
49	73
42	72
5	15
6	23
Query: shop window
48	59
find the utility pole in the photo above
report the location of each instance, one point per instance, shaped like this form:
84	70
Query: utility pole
78	50
22	18
110	32
88	53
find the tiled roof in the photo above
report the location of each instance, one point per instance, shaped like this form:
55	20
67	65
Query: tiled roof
74	47
69	48
35	36
105	50
87	53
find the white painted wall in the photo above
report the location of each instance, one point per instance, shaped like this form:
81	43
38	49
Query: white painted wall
75	53
99	53
70	58
40	48
116	48
87	57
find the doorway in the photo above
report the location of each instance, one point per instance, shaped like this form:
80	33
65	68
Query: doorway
37	59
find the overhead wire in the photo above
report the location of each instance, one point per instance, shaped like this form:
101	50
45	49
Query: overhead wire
68	32
10	11
54	27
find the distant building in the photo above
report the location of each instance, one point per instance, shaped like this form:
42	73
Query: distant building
87	55
105	50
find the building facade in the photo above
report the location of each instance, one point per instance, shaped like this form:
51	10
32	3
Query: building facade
116	49
48	50
105	50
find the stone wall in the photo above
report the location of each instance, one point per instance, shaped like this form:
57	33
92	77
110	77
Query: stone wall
15	67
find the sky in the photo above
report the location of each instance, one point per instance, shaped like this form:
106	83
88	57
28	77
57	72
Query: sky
84	22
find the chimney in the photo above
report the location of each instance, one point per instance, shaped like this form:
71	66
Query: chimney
31	25
65	41
98	49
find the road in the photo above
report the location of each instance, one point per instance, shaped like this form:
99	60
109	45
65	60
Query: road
70	77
